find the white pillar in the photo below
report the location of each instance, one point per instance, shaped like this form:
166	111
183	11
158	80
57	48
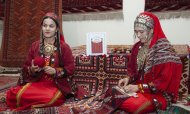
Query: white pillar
131	8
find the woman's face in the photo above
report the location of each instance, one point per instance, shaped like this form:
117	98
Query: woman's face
144	35
49	28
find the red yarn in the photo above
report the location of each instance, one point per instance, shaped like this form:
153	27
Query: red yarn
39	61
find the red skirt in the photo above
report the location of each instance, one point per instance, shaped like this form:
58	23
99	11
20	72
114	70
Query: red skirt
34	95
143	104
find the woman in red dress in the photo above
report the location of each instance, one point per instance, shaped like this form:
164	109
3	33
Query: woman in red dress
154	69
45	71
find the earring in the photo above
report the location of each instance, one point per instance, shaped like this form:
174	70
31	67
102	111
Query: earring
151	31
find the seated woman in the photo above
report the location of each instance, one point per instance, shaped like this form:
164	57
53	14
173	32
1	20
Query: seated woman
154	69
49	62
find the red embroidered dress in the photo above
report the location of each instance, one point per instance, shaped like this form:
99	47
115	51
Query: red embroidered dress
42	92
158	77
39	89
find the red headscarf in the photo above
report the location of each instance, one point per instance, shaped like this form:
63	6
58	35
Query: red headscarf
157	30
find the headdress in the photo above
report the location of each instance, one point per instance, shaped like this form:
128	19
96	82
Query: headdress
144	21
52	16
150	20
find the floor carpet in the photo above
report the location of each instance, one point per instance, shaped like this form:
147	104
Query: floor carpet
5	81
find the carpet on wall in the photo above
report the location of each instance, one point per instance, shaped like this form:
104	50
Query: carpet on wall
22	27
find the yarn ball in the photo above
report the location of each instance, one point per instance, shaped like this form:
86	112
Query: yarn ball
39	61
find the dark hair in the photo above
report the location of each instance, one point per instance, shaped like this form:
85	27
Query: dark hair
56	21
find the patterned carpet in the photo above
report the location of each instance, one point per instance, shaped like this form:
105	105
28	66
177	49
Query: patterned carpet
96	74
5	81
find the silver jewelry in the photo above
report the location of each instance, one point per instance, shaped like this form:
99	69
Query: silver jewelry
145	86
144	20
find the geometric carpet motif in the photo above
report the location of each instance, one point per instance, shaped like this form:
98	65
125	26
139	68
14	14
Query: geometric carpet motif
115	64
87	63
96	73
183	89
88	83
99	72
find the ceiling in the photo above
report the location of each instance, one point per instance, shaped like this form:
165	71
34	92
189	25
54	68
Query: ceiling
83	6
167	5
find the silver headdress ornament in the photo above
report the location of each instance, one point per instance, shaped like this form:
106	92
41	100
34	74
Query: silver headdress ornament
144	21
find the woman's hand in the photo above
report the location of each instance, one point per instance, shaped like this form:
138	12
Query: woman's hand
49	70
123	82
34	68
131	88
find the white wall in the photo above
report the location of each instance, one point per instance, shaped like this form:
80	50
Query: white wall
177	30
118	31
121	31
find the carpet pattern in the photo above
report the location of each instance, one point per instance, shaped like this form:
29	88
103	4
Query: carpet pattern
5	81
23	16
117	63
98	73
185	76
3	90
